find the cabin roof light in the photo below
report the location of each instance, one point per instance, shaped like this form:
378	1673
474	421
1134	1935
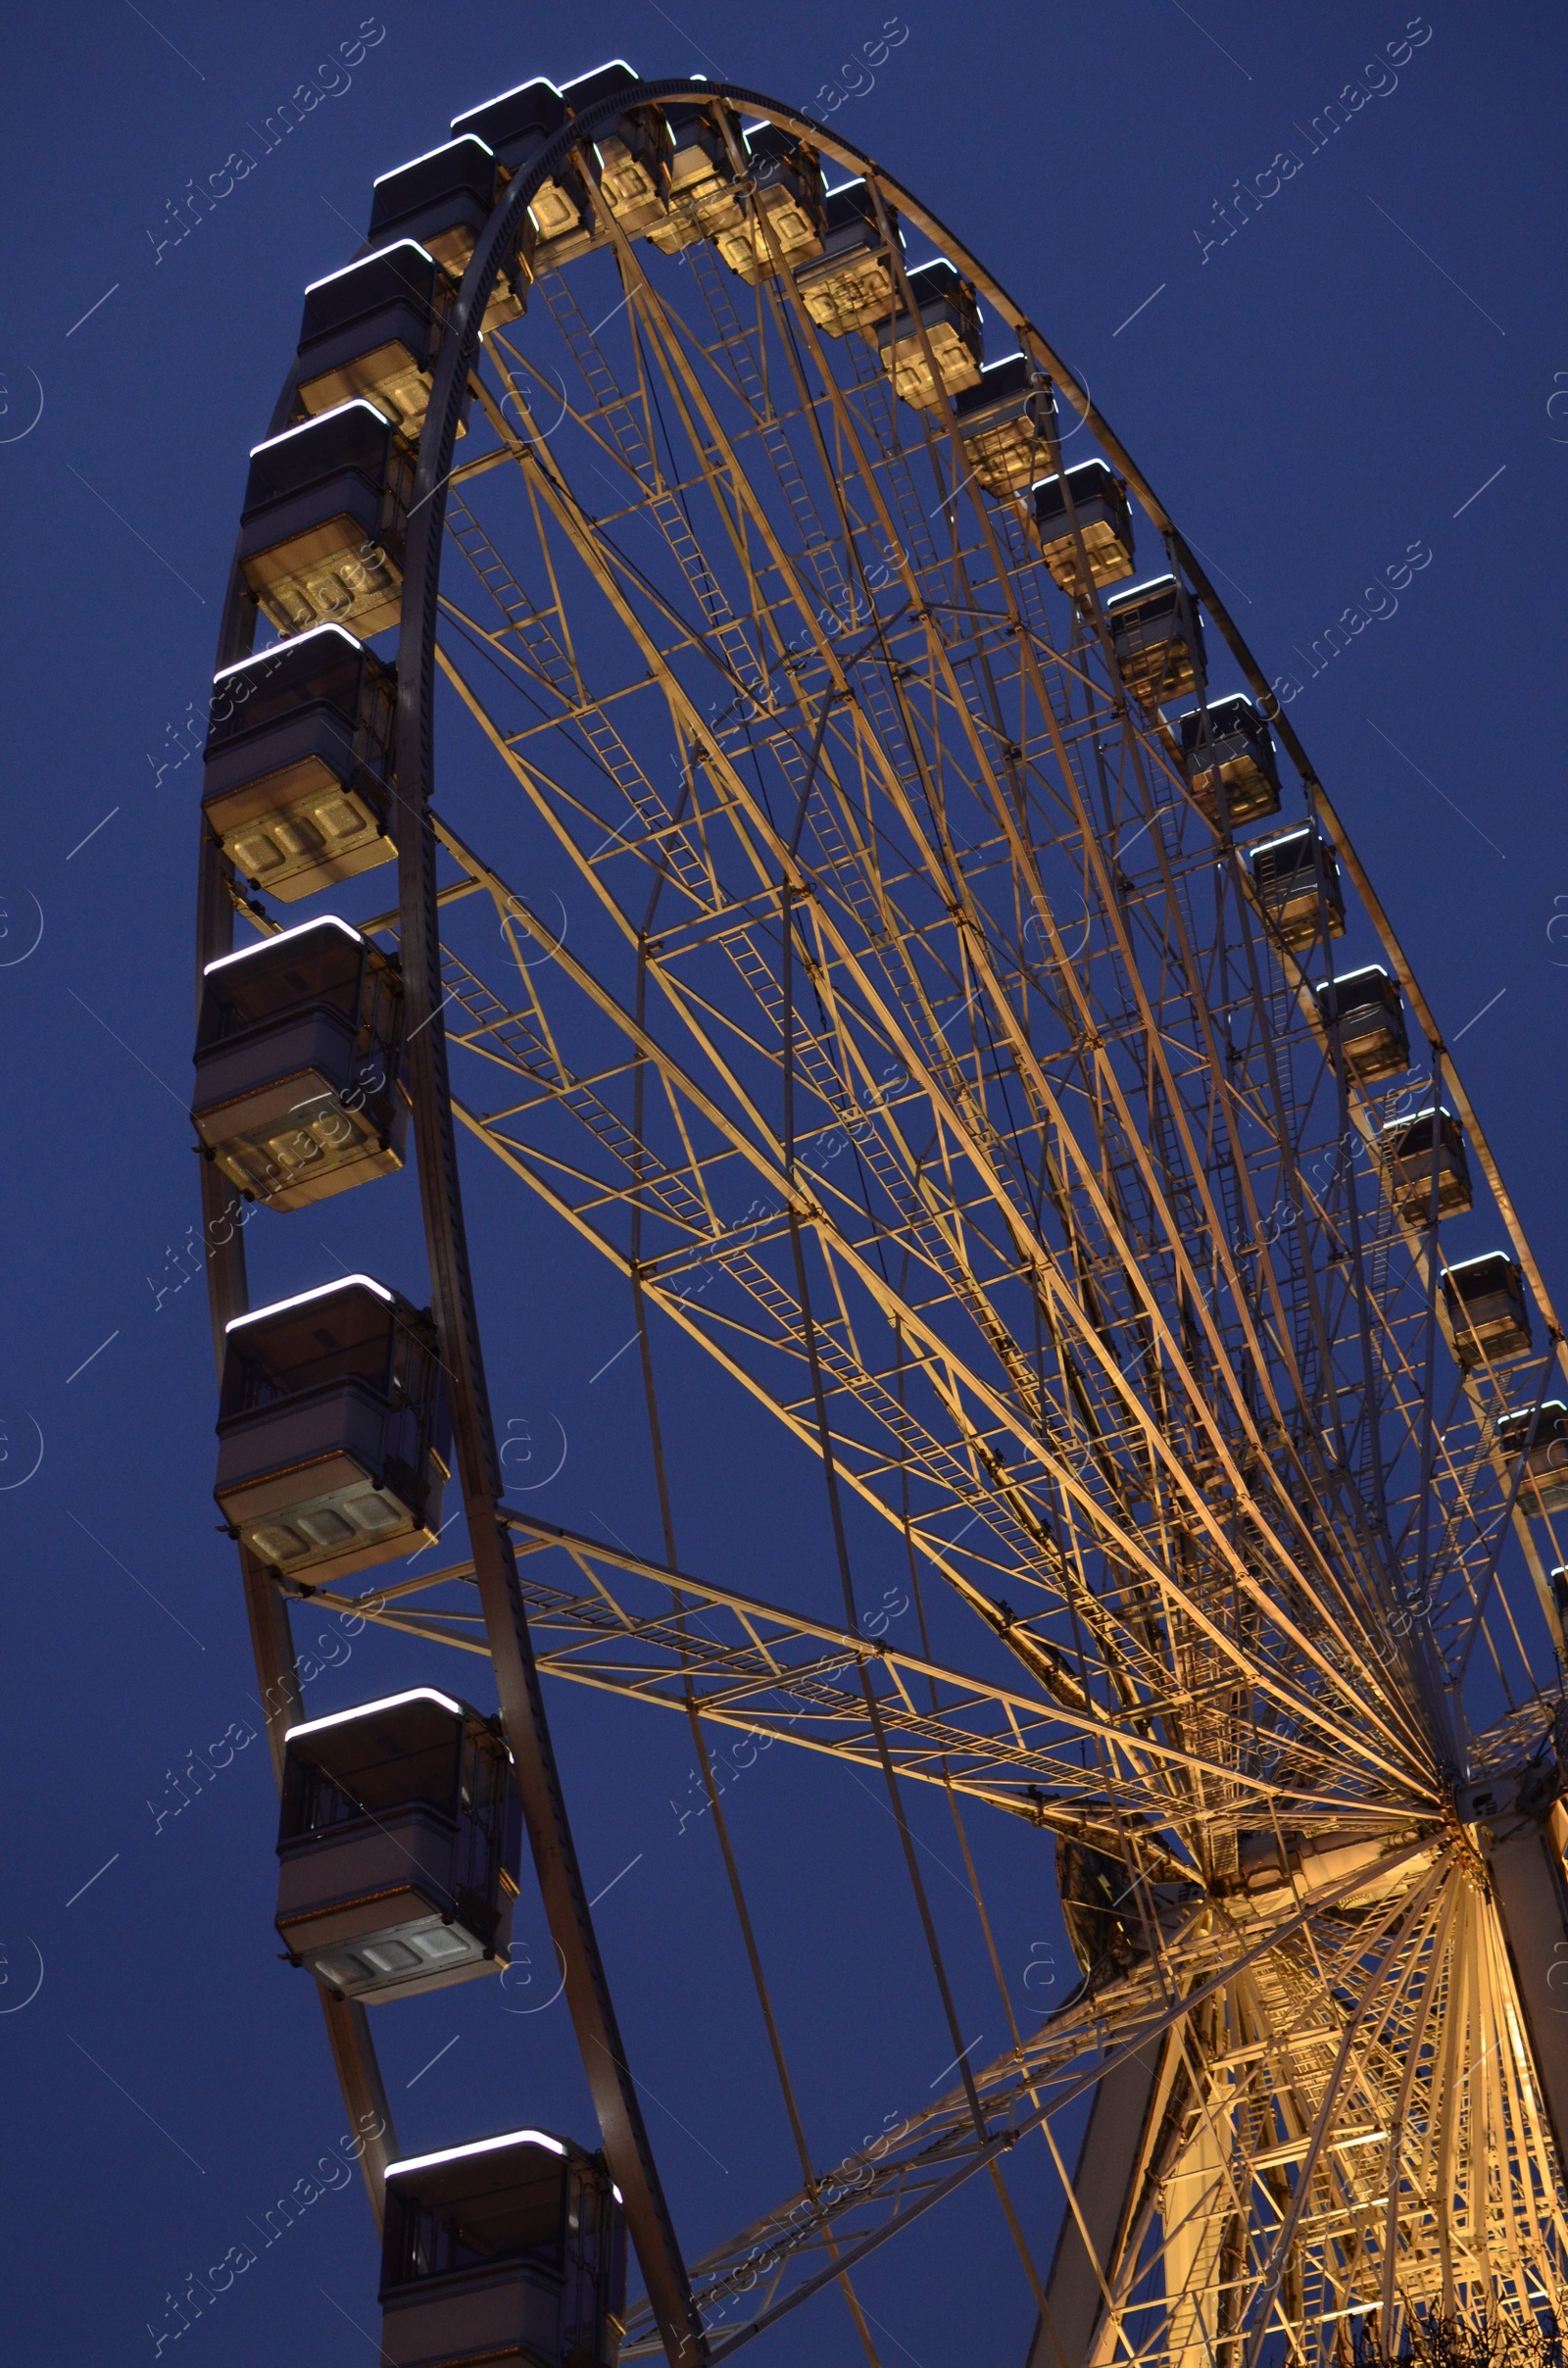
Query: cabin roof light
302	1298
482	2145
355	403
390	1701
377	255
538	82
577	81
461	141
296	641
324	920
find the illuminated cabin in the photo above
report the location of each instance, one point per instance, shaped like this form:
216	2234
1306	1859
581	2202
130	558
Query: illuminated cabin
320	538
852	283
1413	1149
1483	1303
518	126
1293	880
375	329
1103	520
333	1431
297	1049
633	153
1157	639
443	201
1541	1438
1227	749
1362	1013
702	194
510	2251
398	1847
944	305
787	195
298	783
1004	423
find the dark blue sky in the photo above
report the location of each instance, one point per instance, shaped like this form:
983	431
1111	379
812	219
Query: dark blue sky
1330	384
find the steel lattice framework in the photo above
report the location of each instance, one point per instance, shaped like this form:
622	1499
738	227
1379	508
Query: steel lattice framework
918	1047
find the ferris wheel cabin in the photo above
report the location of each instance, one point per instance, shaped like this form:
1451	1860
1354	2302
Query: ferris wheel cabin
788	206
1229	755
1293	880
632	155
373	330
1004	423
298	786
298	1095
1103	520
1542	1439
320	538
565	209
1420	1150
1487	1319
511	2251
1362	1013
516	126
852	283
943	303
1158	641
703	195
398	1847
332	1430
443	201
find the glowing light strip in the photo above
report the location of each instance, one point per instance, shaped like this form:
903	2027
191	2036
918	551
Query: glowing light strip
482	2145
1154	583
391	1701
539	82
355	403
296	641
577	81
374	255
302	1298
460	142
264	945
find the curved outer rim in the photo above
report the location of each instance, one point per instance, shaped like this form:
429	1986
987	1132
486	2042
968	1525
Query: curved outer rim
624	2136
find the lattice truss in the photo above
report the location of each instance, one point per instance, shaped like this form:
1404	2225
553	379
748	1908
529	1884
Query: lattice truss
915	1040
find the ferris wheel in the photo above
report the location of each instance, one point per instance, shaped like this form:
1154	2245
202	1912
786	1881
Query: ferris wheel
1000	1065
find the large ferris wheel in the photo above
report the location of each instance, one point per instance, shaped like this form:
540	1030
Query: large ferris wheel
975	1041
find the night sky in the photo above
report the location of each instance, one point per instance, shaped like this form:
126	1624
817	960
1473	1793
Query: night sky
1370	360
